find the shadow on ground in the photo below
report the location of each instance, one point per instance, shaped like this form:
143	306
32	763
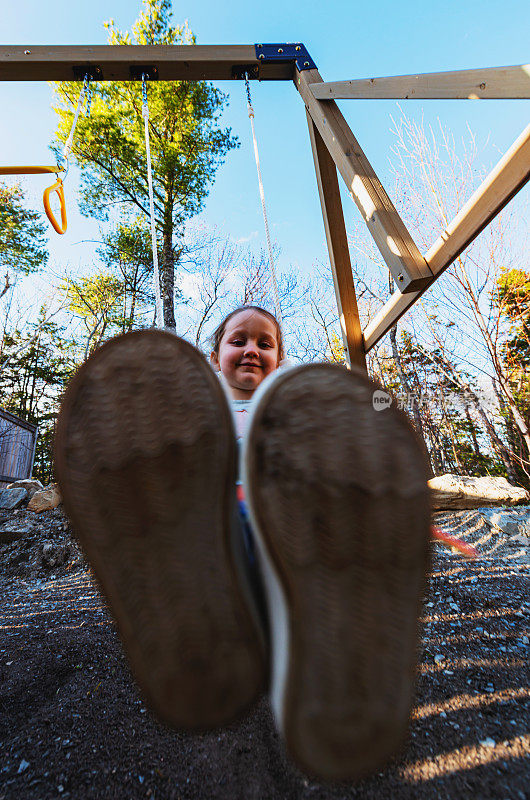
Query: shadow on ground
72	724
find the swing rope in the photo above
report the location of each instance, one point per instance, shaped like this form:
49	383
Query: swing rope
39	170
57	187
86	91
159	311
273	281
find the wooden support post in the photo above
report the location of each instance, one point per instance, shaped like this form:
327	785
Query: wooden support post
469	84
339	255
503	182
397	247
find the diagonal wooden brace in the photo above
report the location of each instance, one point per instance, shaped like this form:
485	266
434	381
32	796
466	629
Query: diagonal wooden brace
504	181
339	254
404	260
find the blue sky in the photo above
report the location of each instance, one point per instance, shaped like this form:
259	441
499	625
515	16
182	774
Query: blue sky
346	40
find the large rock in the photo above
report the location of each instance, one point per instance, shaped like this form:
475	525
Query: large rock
12	498
463	492
46	499
31	485
514	522
13	531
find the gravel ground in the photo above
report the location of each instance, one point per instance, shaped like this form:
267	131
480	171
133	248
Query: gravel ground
72	724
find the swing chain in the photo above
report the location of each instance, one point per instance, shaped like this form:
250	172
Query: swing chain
87	87
249	100
145	107
247	85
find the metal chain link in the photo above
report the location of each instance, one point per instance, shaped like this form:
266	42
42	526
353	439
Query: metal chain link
247	84
88	89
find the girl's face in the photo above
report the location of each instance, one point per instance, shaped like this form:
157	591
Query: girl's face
248	352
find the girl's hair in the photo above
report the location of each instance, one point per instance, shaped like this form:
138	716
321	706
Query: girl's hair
218	333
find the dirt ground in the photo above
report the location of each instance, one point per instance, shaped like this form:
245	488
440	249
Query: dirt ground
72	724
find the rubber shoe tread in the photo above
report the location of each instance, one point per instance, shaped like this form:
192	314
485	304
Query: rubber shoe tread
146	461
339	503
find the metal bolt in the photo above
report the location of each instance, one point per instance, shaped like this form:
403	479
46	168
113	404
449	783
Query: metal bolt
401	278
297	47
260	45
27	52
306	63
280	49
261	55
482	86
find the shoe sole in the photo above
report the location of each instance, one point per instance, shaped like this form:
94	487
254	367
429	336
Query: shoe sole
146	461
339	502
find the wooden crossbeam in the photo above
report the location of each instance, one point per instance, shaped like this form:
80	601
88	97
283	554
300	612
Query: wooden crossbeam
504	181
467	84
339	254
173	62
390	234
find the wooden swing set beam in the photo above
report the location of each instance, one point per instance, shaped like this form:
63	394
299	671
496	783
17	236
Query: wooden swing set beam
113	63
334	147
491	83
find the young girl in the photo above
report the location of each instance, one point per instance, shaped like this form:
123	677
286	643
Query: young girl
246	347
338	503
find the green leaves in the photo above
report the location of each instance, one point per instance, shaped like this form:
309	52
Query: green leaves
187	142
22	234
94	299
512	294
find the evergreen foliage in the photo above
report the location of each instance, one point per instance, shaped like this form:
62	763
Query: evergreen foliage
32	379
22	233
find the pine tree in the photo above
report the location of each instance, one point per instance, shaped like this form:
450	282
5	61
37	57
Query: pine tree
187	143
22	235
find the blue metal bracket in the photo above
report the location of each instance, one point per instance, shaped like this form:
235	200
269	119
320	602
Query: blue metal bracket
284	52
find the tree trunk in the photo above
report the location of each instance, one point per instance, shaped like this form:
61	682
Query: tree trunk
167	280
496	441
517	416
471	397
453	437
476	448
505	406
406	387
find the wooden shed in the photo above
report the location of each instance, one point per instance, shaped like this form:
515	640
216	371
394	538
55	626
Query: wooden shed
18	440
